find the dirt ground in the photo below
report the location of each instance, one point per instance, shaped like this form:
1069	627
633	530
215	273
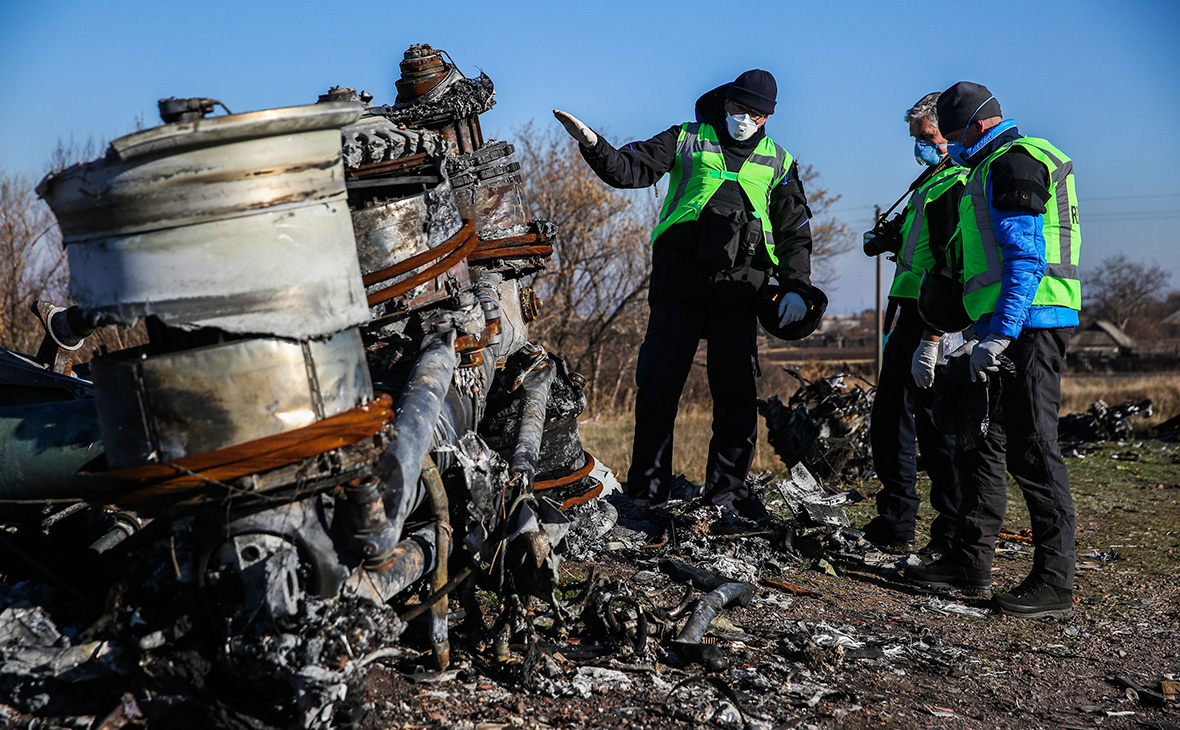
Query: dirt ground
865	651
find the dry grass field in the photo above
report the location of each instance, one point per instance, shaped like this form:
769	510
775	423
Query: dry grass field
608	435
1078	391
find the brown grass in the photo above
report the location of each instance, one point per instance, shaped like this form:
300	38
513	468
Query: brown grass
1078	391
609	439
608	435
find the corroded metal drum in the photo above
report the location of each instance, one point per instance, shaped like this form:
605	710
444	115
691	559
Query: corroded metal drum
489	190
393	231
190	402
237	222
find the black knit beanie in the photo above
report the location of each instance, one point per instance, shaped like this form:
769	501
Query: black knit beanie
960	104
756	89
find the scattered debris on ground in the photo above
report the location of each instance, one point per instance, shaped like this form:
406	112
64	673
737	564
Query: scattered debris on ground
1101	422
824	425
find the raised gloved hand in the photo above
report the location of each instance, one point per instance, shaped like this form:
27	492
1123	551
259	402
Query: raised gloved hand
583	134
985	356
922	366
791	308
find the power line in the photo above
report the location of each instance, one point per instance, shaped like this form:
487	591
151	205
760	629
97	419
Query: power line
1087	198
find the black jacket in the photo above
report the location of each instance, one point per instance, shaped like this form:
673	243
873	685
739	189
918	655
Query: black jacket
707	260
1018	181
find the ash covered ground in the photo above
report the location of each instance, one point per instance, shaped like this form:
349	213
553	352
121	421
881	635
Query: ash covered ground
841	643
670	618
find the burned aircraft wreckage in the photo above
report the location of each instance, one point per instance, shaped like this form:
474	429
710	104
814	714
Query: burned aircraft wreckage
338	419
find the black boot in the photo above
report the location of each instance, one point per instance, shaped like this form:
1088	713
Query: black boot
1036	599
946	573
884	537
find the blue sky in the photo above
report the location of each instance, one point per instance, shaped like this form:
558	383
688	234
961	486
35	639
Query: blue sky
1101	80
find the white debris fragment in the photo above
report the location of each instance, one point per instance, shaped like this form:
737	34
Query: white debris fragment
938	605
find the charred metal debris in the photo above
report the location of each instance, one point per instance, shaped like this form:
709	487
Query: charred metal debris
824	425
1101	422
338	427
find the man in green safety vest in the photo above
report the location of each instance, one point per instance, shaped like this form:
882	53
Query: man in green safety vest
735	215
1020	240
901	416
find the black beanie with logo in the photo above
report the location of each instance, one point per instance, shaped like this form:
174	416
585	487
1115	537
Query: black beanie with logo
965	102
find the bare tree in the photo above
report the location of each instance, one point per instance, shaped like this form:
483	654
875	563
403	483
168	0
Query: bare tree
32	261
1121	290
597	278
830	236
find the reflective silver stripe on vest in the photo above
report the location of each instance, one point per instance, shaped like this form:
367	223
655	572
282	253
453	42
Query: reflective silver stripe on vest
691	143
1064	219
775	163
1062	270
987	236
1061	171
906	262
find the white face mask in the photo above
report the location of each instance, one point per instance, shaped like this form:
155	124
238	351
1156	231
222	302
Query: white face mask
741	126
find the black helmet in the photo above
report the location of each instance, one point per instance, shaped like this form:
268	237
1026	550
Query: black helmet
940	302
815	299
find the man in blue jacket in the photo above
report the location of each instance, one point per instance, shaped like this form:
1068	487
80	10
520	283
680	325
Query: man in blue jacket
734	216
1020	242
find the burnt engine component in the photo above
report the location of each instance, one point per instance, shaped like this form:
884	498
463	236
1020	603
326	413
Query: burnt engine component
338	412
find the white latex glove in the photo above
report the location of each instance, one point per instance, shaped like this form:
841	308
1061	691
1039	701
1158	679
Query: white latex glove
985	356
791	308
922	366
583	134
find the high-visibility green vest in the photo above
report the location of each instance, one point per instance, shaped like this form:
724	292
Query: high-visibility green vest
699	169
915	257
982	259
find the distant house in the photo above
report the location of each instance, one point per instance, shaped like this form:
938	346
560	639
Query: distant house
837	329
1170	326
1101	340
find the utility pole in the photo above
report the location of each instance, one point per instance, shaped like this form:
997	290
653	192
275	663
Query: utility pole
880	318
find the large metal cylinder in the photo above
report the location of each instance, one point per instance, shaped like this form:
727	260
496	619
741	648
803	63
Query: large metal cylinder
489	190
237	222
182	403
393	231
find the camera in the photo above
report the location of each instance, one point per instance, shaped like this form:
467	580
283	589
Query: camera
885	238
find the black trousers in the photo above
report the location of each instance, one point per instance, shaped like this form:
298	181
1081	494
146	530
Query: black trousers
673	332
900	420
1024	439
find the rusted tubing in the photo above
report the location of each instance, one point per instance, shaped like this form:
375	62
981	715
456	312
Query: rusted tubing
568	478
426	274
126	525
413	426
532	421
374	535
204	471
405	266
508	252
436	497
408	562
